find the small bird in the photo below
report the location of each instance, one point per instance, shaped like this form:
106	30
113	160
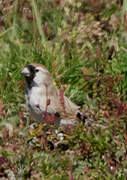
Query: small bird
45	101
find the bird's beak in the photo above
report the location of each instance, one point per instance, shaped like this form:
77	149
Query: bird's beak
25	72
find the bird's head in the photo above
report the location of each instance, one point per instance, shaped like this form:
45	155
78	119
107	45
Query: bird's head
36	75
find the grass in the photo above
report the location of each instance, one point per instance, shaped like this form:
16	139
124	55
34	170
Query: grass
83	46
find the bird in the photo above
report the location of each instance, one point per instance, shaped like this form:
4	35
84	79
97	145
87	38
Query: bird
46	102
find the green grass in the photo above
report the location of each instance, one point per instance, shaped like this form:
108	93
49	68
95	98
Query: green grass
65	38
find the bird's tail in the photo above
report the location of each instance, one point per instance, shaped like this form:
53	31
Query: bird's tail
81	116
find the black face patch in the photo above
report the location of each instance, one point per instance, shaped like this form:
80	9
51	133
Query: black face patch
29	79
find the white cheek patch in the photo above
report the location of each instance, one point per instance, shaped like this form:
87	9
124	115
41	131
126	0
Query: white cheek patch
39	77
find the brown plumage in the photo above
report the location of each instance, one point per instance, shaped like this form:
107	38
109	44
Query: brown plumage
44	98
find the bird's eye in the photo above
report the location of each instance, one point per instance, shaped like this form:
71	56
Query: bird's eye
36	70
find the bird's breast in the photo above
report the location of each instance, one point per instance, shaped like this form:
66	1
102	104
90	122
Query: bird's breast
37	99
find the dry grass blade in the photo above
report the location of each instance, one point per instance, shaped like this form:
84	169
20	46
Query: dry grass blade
15	18
124	10
38	19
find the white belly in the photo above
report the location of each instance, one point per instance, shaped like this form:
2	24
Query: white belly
37	103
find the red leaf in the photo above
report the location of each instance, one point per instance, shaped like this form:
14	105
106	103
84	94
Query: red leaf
48	102
103	106
106	114
55	68
45	115
111	162
99	53
51	118
11	146
70	176
125	18
20	83
86	169
45	29
48	117
86	71
21	115
1	108
2	83
62	99
3	160
69	126
125	138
